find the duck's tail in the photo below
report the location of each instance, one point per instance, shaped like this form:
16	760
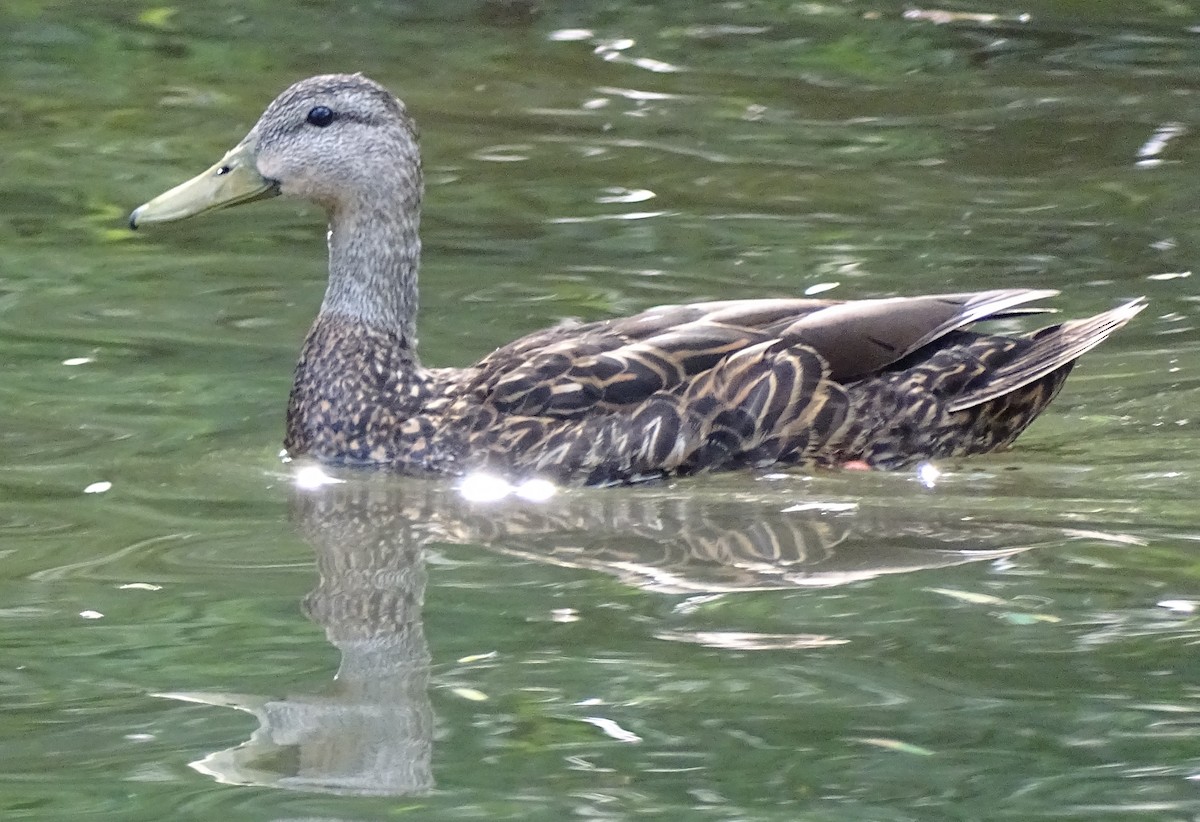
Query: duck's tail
967	393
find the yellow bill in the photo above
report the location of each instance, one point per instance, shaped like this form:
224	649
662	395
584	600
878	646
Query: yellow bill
235	179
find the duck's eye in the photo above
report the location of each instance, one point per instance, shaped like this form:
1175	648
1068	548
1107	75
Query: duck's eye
320	116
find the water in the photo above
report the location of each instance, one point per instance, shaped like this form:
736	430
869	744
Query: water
190	634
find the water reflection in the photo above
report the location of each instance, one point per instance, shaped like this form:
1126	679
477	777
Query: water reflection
372	732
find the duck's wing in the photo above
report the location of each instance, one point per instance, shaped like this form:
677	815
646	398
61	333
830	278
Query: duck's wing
572	371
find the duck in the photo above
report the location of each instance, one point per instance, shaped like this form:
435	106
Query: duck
879	383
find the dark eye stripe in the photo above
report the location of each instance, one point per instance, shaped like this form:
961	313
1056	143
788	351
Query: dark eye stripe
320	116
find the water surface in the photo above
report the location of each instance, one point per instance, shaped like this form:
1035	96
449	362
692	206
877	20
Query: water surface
189	633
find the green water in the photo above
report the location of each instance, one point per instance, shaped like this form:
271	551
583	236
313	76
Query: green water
189	635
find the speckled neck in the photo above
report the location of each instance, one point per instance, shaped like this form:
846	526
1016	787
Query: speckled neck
374	253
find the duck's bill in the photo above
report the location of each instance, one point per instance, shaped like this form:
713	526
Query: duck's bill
234	180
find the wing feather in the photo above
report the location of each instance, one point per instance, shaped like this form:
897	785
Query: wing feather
574	370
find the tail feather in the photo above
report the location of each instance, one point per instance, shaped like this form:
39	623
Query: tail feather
1049	350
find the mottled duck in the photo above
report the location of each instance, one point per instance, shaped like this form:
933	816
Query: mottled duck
674	390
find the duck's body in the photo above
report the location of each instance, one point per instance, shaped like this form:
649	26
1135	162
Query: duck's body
681	389
676	389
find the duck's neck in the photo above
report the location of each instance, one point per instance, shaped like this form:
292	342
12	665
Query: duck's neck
374	253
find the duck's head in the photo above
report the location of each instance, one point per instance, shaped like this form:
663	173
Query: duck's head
340	140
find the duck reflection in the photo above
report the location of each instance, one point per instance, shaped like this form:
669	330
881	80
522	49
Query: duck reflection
372	733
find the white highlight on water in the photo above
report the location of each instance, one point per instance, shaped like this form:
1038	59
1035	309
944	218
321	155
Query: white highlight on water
928	474
480	486
311	477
